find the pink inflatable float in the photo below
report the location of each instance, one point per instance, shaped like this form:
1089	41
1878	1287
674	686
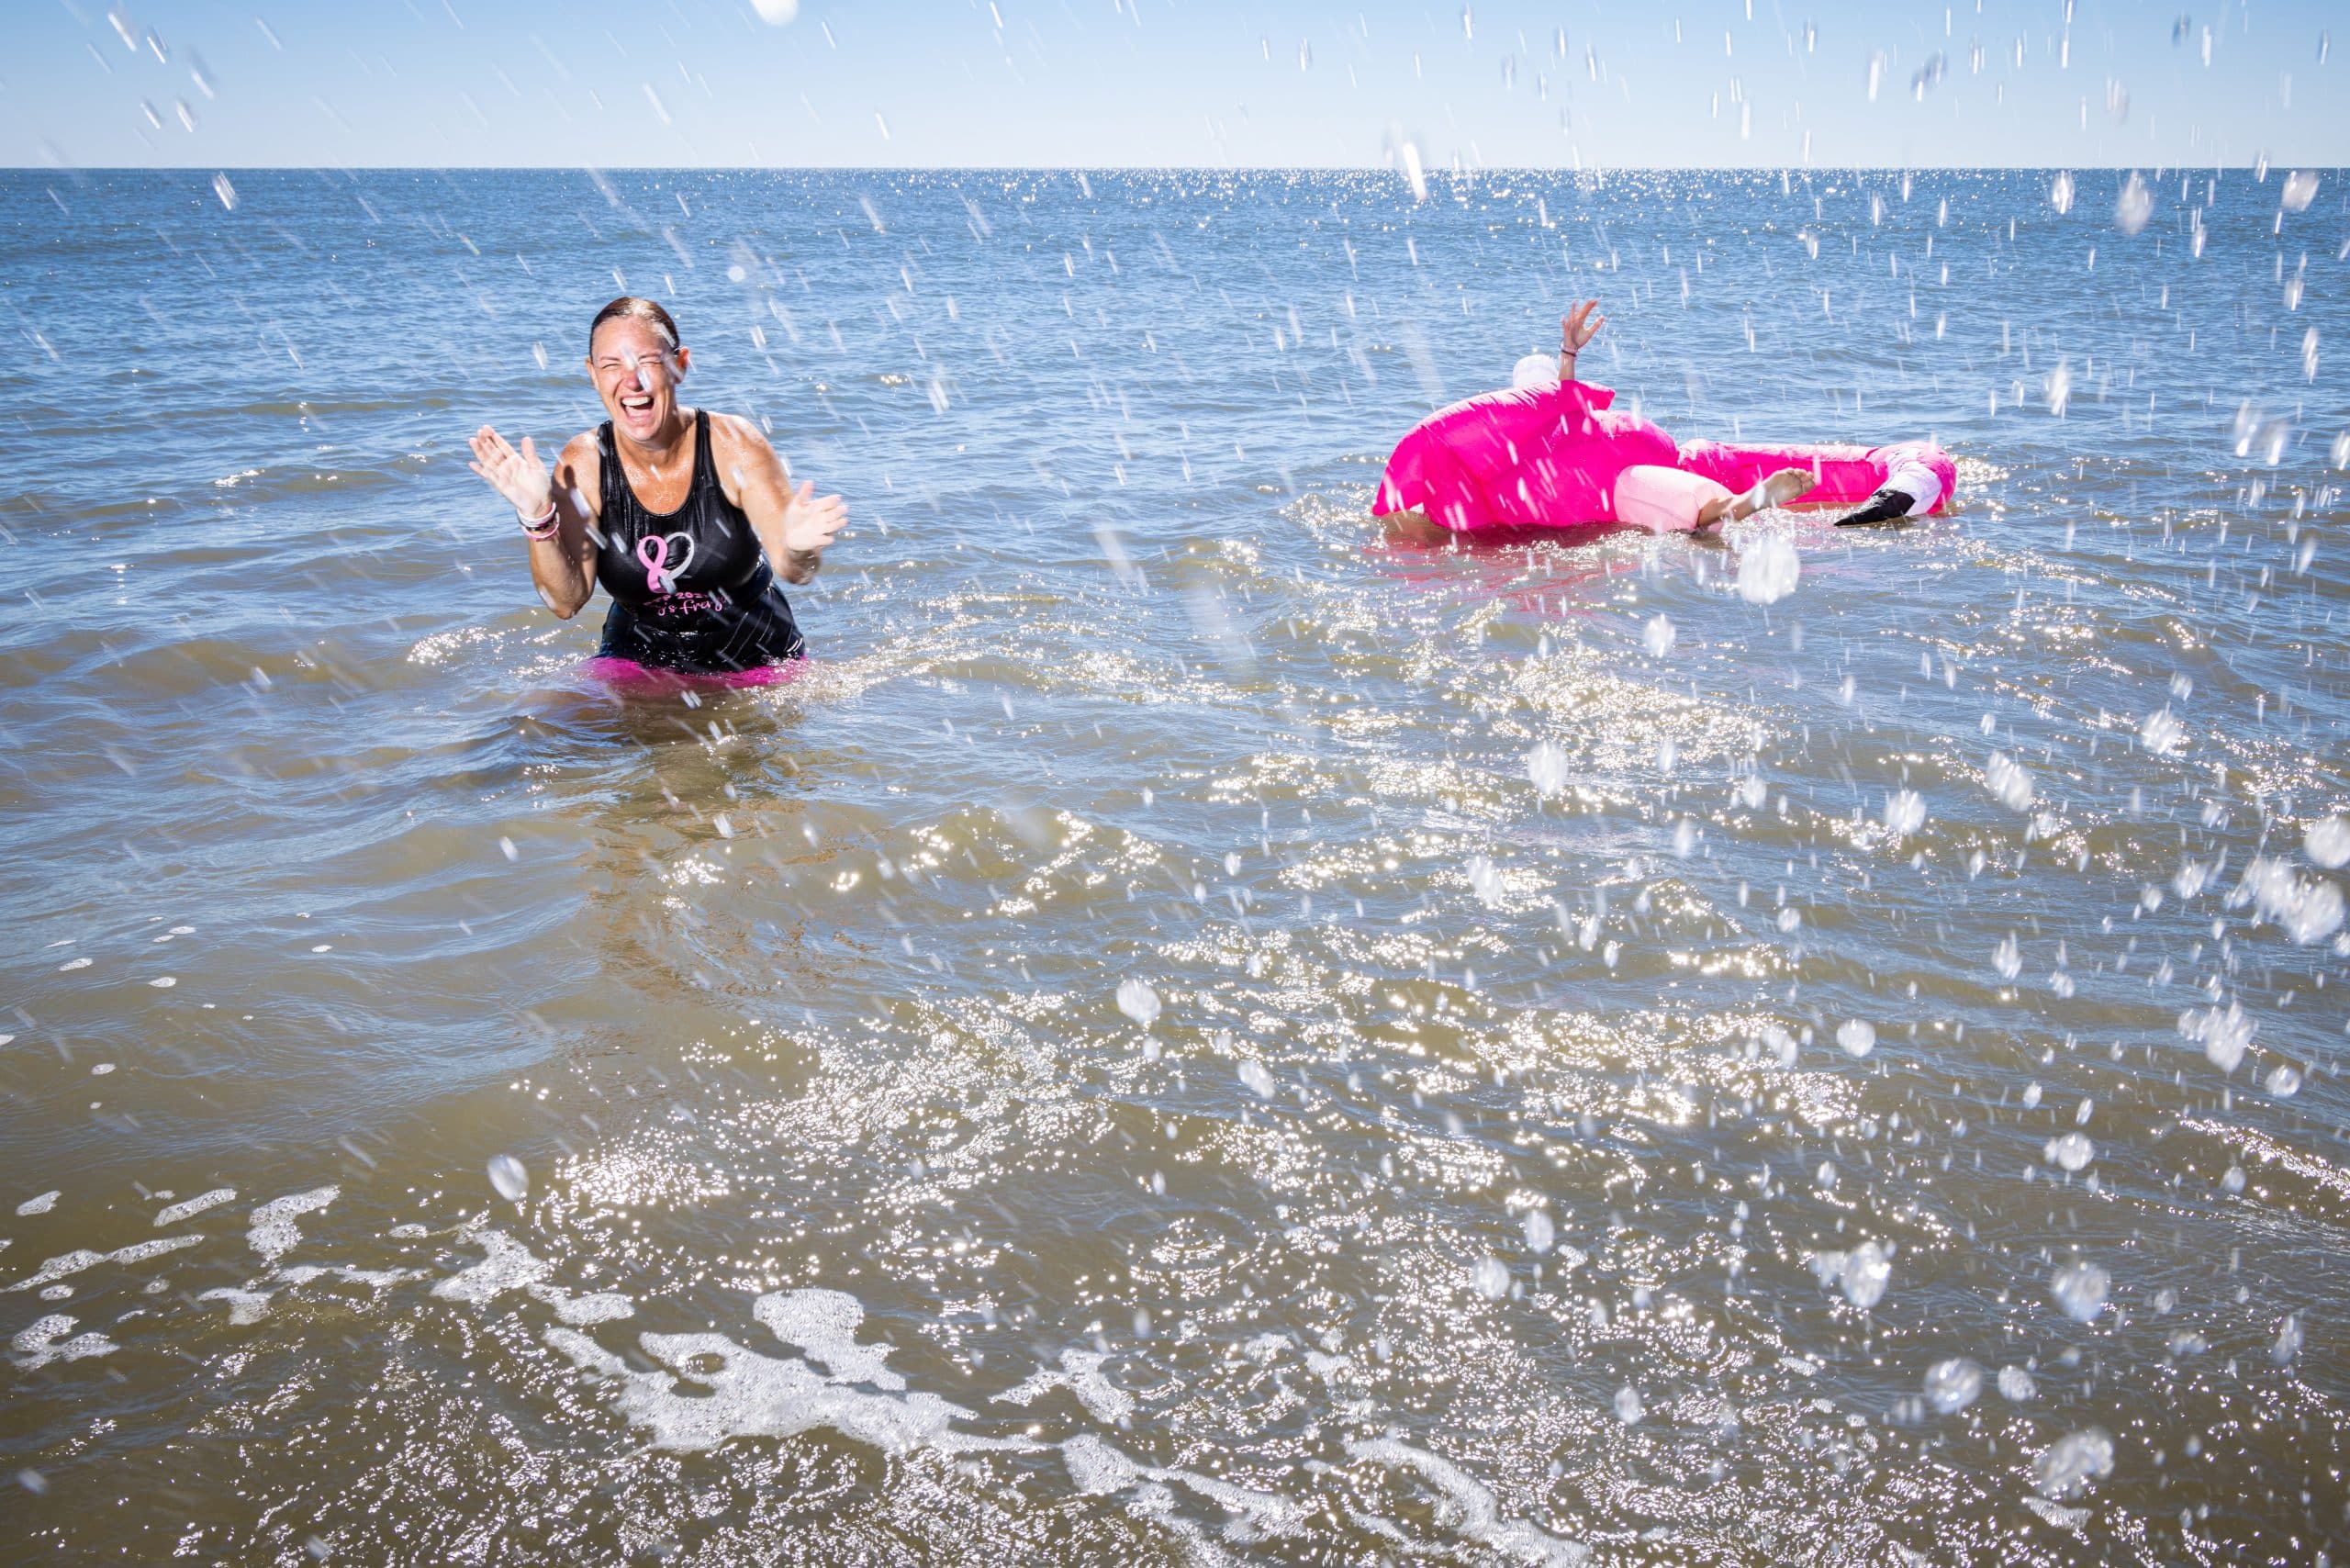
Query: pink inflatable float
1560	454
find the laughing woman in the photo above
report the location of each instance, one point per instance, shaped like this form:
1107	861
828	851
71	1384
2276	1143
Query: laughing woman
685	516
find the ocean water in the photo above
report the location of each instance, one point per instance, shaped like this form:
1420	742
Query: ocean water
1189	1033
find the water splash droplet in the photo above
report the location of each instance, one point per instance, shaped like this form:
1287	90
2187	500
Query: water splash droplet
2073	1459
2222	1033
2162	733
510	1177
1905	813
1546	765
2327	842
1139	1001
2135	206
2079	1287
2008	781
1768	570
2070	1152
1952	1386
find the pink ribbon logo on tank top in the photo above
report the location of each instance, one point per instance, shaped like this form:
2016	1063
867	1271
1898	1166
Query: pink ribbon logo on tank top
653	553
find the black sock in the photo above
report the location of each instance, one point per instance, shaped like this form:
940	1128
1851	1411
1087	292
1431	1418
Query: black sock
1887	505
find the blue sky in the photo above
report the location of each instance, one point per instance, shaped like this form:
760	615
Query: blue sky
1099	83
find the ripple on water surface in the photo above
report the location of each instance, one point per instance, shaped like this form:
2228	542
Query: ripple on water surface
1190	1032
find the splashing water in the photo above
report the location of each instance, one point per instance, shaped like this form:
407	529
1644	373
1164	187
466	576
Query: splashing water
2308	909
1548	767
1258	1078
1952	1386
2058	389
1139	1001
1861	1274
2134	206
2079	1288
1905	813
2073	1461
507	1175
2070	1152
1768	570
2008	957
2010	781
2162	733
2224	1034
1182	972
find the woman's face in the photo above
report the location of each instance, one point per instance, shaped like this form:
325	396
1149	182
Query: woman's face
636	374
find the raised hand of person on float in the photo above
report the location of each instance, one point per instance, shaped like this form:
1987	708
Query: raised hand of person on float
520	477
1578	326
809	523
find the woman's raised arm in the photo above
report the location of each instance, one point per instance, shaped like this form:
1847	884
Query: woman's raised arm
793	526
554	510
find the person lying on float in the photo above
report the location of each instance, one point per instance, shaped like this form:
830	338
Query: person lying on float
1553	452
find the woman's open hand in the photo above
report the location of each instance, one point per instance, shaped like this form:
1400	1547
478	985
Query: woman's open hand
1578	327
520	477
809	524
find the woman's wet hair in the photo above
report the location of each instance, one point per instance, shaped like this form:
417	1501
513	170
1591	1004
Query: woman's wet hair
645	310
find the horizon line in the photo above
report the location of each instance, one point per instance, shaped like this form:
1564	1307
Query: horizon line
71	172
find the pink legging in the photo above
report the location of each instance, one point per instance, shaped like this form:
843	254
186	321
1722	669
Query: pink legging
1669	499
1846	475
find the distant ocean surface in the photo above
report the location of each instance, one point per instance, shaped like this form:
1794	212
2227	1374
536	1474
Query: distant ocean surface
1189	1033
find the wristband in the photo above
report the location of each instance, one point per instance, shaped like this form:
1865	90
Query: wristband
542	527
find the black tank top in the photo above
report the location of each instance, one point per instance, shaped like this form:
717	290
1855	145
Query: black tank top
677	563
691	589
